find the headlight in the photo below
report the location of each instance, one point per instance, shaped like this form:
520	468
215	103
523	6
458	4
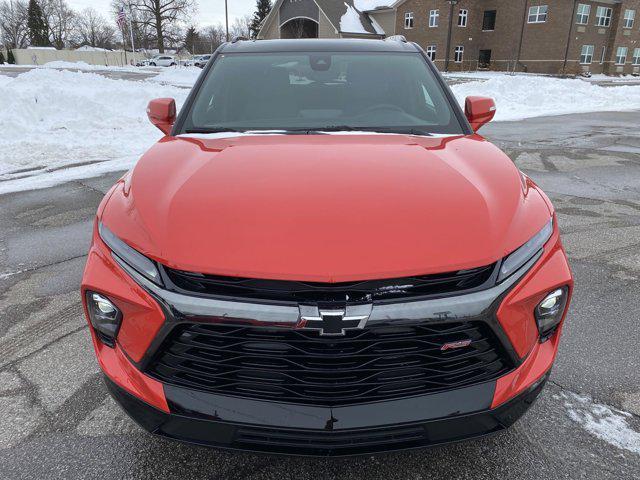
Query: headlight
522	255
130	256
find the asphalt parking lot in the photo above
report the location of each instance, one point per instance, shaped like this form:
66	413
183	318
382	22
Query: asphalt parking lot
57	420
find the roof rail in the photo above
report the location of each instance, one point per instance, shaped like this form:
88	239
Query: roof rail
238	39
396	38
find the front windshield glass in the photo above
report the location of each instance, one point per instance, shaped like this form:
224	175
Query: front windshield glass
394	92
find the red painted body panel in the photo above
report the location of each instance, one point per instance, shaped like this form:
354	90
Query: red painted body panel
536	365
325	207
143	317
516	311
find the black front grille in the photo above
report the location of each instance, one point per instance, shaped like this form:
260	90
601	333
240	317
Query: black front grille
298	366
302	440
461	281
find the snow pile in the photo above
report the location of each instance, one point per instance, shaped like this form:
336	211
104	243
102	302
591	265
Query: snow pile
365	5
59	124
350	21
75	65
524	96
604	422
181	76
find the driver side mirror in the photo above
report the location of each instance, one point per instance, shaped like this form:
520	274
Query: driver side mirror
162	113
479	111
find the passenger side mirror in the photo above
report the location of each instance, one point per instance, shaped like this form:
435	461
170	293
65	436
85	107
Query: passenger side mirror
479	111
162	113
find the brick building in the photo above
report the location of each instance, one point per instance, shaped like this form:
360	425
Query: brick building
542	36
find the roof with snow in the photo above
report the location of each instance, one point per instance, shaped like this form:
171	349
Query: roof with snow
369	5
346	16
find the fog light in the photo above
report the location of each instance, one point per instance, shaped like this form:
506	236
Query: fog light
550	310
105	317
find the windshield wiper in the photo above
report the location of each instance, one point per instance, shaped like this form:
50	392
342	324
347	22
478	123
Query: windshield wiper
212	130
337	128
348	128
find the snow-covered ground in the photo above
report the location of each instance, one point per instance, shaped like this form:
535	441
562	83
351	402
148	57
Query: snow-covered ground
524	96
66	121
59	124
608	424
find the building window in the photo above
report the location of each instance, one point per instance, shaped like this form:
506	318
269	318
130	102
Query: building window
431	52
538	14
489	20
621	55
603	16
629	18
604	55
636	56
462	17
582	17
459	54
408	20
586	56
434	15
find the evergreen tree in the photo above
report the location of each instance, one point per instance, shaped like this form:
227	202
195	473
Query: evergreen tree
38	31
192	40
1	57
263	7
10	58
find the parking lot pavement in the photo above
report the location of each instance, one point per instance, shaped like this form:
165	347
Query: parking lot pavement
57	421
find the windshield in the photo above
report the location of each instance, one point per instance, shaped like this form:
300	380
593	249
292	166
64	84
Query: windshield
388	92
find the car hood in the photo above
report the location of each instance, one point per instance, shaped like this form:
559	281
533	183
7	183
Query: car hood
325	208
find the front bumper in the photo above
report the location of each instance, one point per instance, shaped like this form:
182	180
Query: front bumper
220	422
259	425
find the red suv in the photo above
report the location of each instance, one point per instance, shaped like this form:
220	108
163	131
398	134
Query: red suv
323	257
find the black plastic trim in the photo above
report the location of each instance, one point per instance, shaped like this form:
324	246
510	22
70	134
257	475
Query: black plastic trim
274	428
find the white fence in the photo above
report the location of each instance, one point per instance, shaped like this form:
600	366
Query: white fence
40	56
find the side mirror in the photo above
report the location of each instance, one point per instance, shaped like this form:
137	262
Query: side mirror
479	111
162	113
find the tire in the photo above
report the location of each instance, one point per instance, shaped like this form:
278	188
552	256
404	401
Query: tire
173	64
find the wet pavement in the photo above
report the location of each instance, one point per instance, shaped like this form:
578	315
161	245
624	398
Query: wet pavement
57	420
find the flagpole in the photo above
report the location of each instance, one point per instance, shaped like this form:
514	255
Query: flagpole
133	47
124	46
120	21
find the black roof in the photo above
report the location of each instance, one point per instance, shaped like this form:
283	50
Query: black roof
318	45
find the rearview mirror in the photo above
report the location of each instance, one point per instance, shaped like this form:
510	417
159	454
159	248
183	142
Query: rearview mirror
479	111
162	113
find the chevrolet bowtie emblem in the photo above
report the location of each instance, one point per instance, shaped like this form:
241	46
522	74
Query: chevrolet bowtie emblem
335	322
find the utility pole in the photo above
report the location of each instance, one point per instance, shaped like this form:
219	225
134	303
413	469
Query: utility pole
447	56
226	16
574	12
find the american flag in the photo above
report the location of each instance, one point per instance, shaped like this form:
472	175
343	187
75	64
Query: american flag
122	18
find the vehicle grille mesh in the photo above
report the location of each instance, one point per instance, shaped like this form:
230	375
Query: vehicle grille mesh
298	366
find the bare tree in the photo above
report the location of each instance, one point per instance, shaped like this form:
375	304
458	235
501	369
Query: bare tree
212	37
60	20
13	23
241	27
92	29
166	17
144	34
